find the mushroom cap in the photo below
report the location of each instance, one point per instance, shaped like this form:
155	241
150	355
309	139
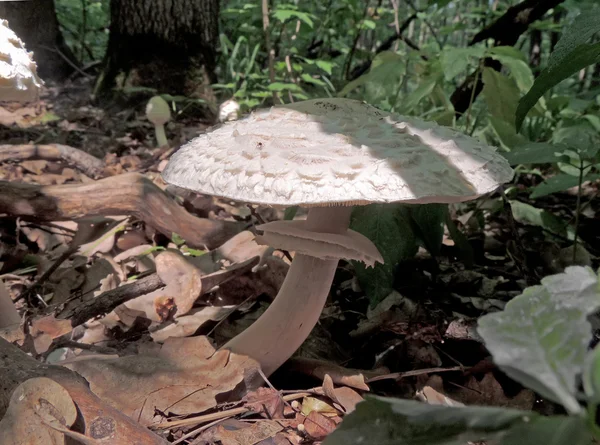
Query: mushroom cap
18	72
336	151
158	111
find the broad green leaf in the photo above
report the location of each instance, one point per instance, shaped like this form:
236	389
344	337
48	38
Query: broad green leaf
456	60
555	430
280	86
416	96
582	137
534	153
580	31
507	134
559	183
591	375
428	225
386	71
501	94
388	227
285	14
527	214
541	338
325	66
290	213
505	52
581	57
384	421
309	79
513	60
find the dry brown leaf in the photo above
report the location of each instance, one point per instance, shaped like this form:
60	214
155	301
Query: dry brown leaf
190	323
44	330
33	405
265	400
346	397
184	377
318	426
490	393
234	432
310	404
34	166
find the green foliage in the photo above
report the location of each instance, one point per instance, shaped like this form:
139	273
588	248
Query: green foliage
572	53
389	227
541	340
84	24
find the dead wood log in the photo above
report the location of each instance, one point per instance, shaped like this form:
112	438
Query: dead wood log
75	157
97	419
131	194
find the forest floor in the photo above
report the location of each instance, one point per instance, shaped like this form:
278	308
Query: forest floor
419	342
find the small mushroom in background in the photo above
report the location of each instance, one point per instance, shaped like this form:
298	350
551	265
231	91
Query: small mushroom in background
327	155
159	113
229	111
18	72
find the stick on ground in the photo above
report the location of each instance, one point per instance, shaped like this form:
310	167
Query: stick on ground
131	194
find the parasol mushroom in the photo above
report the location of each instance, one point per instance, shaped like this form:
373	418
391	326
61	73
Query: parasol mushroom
327	155
18	73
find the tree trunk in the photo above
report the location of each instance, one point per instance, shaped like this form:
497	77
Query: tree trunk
169	46
36	24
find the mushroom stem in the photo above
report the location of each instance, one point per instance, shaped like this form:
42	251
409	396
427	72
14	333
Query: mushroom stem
288	321
161	137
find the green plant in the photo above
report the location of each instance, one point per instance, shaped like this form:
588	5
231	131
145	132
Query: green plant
541	340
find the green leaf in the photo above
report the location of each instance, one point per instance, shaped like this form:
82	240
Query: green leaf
559	183
591	375
541	337
501	94
507	134
386	70
416	96
554	430
580	31
581	57
384	421
388	227
428	224
527	214
290	213
285	14
512	59
281	86
456	60
325	66
534	153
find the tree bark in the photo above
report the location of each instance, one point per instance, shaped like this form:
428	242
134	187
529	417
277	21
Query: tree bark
36	24
169	46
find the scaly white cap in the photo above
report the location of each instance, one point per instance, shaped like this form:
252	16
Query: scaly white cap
337	151
18	76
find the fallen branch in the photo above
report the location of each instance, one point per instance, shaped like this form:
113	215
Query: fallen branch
75	157
505	31
97	419
130	194
109	300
